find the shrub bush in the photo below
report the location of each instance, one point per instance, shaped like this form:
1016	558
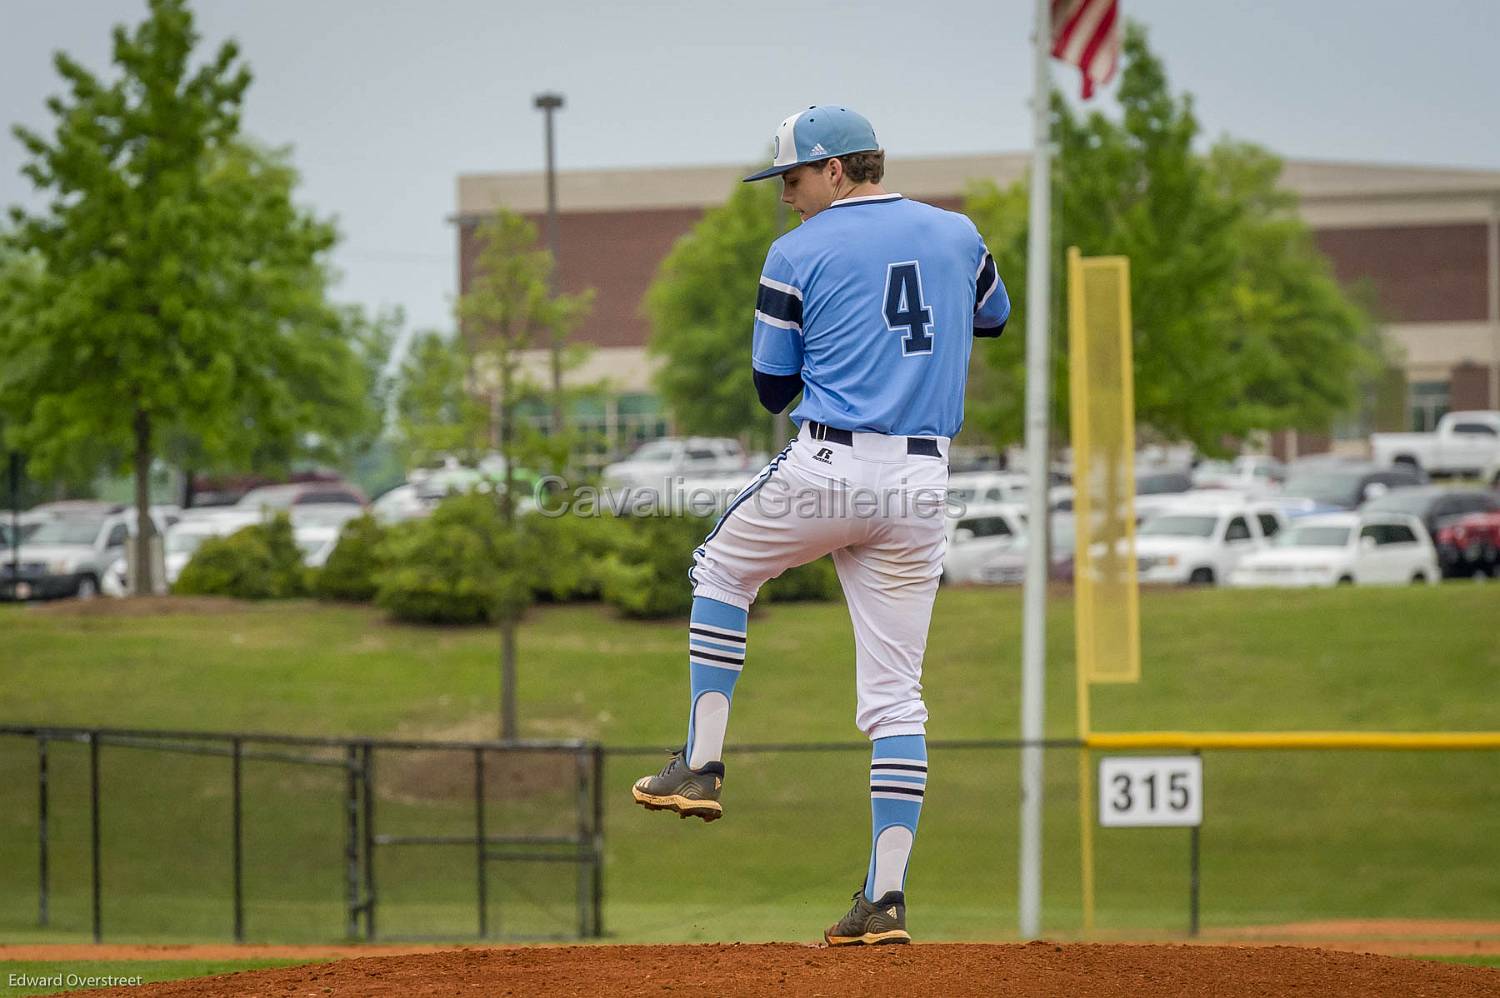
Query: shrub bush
646	575
462	565
349	574
815	581
575	550
256	562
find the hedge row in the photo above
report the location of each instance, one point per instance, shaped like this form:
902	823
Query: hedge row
465	564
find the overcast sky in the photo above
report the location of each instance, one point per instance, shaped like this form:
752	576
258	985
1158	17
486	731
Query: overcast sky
386	102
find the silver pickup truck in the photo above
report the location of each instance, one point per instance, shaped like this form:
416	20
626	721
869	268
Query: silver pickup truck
1464	443
67	555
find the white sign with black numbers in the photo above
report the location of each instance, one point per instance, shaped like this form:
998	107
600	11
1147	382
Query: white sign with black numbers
1151	791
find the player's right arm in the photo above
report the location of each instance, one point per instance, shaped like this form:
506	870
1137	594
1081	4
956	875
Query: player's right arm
776	349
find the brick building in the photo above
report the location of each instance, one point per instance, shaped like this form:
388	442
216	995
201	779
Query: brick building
1424	240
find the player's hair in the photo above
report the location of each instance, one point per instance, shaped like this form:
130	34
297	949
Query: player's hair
860	167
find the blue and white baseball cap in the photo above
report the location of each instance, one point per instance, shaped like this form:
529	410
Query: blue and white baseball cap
818	133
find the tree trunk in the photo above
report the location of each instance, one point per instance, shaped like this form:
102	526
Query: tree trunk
143	526
508	731
506	413
559	423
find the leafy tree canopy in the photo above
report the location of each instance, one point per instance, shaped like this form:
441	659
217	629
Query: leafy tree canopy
1239	324
170	289
700	309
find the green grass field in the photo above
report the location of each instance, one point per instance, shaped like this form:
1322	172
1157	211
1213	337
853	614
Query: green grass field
1287	836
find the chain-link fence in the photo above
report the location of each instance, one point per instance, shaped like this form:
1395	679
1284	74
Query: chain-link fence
158	835
147	833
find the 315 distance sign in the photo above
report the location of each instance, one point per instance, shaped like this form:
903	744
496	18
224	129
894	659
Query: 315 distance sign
1151	791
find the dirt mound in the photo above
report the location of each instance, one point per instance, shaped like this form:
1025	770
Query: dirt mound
947	970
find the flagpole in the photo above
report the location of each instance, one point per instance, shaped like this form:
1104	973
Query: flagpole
1038	383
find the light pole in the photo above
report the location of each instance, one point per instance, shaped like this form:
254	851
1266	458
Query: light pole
547	103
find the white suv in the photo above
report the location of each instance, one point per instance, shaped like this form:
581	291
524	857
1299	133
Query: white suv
1334	548
977	536
69	554
1201	541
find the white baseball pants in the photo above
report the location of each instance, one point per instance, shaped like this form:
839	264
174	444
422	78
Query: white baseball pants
880	512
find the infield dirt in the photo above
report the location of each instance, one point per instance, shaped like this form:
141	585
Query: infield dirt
948	970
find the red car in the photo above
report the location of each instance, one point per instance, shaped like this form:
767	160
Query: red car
1470	545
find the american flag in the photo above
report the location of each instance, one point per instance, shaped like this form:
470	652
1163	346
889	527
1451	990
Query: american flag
1086	33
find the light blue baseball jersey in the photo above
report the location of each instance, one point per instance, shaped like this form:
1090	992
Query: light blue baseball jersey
875	301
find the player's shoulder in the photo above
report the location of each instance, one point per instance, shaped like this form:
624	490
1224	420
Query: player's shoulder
957	221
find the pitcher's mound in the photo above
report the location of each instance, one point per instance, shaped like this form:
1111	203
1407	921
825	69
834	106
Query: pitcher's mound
948	970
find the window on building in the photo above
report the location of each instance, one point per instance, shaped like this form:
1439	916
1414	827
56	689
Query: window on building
1427	402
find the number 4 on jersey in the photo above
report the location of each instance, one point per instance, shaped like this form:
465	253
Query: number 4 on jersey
904	309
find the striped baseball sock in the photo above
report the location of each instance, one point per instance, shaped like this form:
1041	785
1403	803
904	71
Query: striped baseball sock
898	777
716	653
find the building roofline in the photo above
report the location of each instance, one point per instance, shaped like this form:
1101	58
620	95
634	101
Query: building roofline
925	177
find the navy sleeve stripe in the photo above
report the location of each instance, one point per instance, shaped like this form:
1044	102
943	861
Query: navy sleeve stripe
778	304
985	283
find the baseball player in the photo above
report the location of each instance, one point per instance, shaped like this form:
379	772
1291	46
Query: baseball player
869	309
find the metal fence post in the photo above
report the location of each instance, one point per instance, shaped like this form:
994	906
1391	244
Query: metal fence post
1194	873
236	747
97	874
351	840
42	915
367	786
598	843
581	808
480	844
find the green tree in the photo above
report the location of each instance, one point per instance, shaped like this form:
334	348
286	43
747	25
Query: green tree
179	294
1239	324
509	311
438	411
700	307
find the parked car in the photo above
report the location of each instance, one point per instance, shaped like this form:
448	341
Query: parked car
1328	549
1155	488
402	503
1005	563
27	523
316	542
979	487
976	536
1464	443
1249	474
661	473
1328	484
1469	546
184	538
1201	541
1159	488
655	462
298	495
1436	505
69	554
1491	474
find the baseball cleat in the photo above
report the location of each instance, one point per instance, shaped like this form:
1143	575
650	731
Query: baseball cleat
689	792
871	923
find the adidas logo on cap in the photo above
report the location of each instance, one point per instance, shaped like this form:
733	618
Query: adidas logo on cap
817	150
